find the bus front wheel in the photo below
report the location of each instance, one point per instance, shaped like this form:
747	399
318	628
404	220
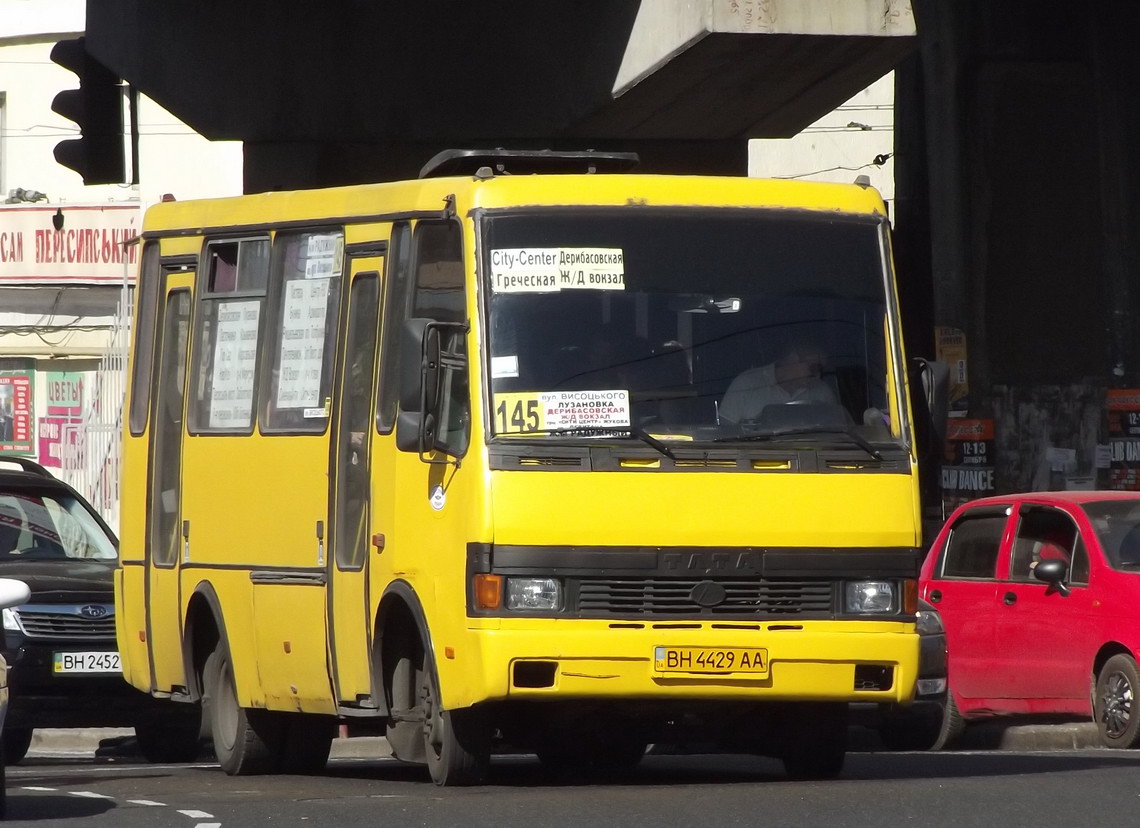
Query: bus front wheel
457	743
816	741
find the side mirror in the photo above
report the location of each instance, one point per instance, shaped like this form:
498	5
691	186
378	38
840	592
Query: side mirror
422	360
934	379
1052	572
419	381
929	382
13	593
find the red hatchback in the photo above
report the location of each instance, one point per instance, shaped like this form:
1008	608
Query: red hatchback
1040	597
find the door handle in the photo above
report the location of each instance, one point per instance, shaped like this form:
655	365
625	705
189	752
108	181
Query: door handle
935	596
1010	598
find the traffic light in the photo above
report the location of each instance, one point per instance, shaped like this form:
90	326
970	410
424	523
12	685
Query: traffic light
97	107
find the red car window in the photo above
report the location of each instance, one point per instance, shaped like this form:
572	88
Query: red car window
972	549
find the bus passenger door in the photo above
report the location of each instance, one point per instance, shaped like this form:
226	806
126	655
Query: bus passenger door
164	487
350	628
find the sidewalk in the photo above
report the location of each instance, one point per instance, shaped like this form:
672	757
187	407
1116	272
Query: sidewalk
995	735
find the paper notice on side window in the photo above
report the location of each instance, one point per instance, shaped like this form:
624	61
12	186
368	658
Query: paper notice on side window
551	269
302	343
323	255
235	355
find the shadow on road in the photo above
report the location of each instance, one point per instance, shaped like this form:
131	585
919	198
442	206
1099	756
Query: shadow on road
695	770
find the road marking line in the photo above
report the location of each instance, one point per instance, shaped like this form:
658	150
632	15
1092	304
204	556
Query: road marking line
38	788
208	825
90	794
197	814
146	802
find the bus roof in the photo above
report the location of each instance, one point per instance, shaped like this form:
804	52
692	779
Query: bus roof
377	201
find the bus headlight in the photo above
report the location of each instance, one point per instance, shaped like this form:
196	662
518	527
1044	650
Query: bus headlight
10	622
869	596
534	594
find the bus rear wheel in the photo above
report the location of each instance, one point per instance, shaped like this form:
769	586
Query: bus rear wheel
457	743
178	740
246	741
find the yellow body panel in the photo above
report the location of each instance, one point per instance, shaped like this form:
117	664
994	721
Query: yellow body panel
255	501
633	508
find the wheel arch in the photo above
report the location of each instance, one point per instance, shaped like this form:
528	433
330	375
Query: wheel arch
1107	650
205	627
400	613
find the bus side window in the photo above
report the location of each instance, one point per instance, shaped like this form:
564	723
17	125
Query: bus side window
397	297
440	295
304	302
142	366
234	276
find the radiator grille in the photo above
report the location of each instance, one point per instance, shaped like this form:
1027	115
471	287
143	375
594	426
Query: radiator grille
65	623
757	598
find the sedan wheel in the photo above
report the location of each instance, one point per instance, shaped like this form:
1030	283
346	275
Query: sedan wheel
1116	710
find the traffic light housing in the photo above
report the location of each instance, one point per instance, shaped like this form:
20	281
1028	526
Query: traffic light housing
97	107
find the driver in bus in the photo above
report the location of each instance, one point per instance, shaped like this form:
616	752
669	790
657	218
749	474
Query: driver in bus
795	376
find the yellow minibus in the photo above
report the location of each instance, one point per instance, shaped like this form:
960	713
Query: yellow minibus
530	453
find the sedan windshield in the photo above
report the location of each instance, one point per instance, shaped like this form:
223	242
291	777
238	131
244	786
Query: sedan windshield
697	324
47	526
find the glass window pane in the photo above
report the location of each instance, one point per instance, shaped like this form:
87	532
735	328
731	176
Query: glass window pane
397	293
143	366
699	323
166	444
227	330
351	531
304	316
1042	534
973	548
440	296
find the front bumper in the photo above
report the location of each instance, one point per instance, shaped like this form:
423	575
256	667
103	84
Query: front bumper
807	661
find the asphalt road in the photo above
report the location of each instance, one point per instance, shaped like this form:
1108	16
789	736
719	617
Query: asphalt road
1063	788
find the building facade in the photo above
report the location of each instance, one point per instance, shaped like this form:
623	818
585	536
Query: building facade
67	257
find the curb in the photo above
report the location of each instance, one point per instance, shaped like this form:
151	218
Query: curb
989	735
84	742
1001	735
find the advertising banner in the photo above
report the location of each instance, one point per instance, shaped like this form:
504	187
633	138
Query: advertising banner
969	469
17	417
950	348
1123	406
90	249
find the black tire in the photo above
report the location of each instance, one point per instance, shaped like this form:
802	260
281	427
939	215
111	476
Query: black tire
816	747
953	725
3	786
16	741
246	741
457	743
911	732
172	741
1116	707
308	741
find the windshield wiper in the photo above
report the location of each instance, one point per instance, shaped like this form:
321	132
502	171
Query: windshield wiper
584	431
855	437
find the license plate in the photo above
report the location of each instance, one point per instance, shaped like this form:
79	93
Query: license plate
98	662
708	660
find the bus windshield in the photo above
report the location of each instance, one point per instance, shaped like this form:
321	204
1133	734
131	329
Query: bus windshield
696	324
